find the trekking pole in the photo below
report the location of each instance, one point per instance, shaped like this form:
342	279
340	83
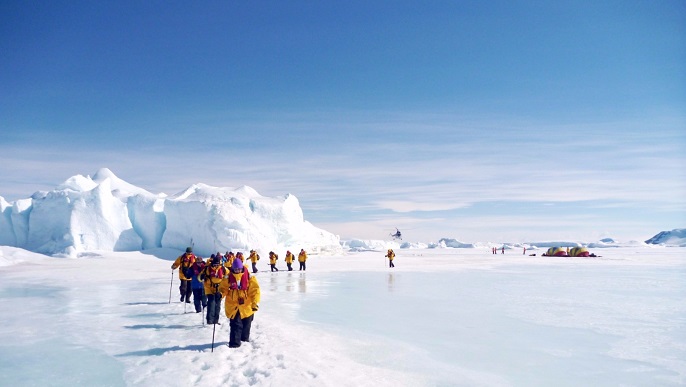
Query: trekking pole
170	285
215	327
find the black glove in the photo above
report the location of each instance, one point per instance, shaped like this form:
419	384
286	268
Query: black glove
254	308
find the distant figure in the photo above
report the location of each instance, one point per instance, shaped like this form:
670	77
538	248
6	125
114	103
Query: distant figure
390	254
503	250
272	260
289	260
302	257
524	253
254	257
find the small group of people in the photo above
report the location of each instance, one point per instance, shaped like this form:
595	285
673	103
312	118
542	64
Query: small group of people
273	257
290	258
220	277
494	250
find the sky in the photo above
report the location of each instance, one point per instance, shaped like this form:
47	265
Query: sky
481	121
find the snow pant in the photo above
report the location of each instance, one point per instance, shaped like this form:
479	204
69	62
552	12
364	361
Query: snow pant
240	330
290	268
214	307
390	263
302	265
199	299
254	267
185	290
273	267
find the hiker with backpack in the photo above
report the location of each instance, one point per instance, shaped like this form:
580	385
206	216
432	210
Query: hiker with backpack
289	260
254	257
272	260
302	257
242	293
184	263
197	286
213	275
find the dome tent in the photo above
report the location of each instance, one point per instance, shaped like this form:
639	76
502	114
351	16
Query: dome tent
556	252
579	252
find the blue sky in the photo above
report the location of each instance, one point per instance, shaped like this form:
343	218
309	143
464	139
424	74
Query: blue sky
480	121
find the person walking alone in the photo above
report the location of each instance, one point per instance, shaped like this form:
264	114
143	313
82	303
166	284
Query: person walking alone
390	254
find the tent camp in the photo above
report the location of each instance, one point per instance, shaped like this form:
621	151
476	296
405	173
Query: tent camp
579	252
556	252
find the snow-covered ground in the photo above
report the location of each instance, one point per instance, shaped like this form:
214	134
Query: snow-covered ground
441	317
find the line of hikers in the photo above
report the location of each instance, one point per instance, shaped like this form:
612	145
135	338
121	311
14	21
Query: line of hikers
225	276
290	258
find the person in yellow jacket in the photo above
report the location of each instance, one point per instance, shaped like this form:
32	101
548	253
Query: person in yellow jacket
289	260
229	256
213	275
390	254
302	257
242	294
254	257
184	263
273	257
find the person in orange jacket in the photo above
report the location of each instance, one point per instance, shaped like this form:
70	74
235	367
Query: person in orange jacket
184	263
242	295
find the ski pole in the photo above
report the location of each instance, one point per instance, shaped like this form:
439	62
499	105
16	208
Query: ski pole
215	327
170	285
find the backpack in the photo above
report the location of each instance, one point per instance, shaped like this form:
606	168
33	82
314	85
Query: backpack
187	264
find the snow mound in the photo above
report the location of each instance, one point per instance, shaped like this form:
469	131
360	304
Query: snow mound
106	213
369	245
454	243
676	237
